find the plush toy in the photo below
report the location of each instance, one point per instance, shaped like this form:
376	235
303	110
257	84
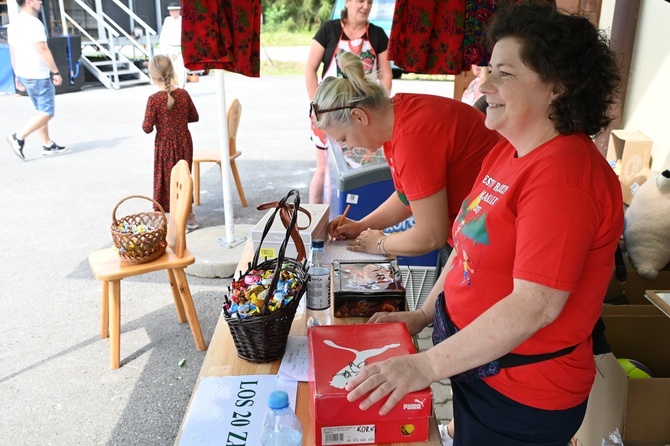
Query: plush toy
647	229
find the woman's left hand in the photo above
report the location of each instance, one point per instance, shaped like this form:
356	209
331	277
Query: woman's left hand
367	241
395	377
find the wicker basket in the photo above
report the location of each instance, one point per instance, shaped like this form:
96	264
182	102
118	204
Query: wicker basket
140	247
263	337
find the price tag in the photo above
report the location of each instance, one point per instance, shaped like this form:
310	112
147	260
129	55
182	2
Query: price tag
361	434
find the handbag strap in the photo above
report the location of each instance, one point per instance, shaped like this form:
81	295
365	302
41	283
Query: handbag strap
288	215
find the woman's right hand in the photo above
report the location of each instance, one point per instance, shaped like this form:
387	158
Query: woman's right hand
415	320
349	229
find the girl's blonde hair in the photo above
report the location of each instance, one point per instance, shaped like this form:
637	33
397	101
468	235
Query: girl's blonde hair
161	70
352	90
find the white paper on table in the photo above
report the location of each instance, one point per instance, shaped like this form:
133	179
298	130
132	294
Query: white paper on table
295	361
337	250
230	409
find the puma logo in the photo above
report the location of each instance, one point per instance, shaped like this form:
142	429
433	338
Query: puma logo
354	367
416	405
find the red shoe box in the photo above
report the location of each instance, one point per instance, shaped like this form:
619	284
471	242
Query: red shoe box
336	354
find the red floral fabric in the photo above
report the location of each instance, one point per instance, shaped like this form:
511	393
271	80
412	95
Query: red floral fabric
440	36
443	36
223	35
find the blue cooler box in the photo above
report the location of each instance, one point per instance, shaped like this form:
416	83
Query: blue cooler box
363	181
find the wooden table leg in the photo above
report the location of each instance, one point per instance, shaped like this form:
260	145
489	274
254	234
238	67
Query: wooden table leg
174	287
189	307
115	324
104	310
196	183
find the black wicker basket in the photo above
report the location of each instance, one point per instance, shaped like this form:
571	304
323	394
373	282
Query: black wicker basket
262	337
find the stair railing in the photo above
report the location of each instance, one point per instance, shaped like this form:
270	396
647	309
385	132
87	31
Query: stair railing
148	30
113	29
106	44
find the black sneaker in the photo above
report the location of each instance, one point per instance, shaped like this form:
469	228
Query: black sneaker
53	149
16	144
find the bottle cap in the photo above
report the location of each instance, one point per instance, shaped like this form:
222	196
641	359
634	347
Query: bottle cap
278	400
317	243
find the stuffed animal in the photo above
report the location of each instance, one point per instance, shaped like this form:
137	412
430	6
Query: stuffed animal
647	228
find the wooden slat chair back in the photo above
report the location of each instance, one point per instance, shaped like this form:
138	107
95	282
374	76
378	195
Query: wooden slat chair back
214	156
181	191
110	270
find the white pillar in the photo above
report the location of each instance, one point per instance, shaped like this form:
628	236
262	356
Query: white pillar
224	146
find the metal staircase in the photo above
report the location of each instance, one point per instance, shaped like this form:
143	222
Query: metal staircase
105	52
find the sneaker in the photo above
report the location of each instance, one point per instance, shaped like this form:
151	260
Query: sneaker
53	149
17	145
192	223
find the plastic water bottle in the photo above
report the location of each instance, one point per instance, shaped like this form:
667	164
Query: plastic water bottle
281	426
318	288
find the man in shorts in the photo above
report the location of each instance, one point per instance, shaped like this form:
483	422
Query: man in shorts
36	70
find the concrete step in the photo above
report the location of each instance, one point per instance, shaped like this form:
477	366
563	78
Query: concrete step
212	259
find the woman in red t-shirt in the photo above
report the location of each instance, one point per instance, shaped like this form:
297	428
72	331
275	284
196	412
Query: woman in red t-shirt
534	244
433	145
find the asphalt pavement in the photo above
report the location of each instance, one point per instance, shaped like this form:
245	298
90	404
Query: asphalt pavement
56	386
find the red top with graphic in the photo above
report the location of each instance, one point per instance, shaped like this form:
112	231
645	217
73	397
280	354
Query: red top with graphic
428	153
222	35
173	140
552	217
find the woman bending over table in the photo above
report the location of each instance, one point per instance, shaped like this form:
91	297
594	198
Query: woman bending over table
434	146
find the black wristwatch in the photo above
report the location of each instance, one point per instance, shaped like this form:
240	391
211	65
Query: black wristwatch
54	74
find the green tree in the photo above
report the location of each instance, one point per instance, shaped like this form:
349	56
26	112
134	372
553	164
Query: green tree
295	15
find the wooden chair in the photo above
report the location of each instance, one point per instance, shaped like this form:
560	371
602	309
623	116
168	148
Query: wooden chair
110	270
214	156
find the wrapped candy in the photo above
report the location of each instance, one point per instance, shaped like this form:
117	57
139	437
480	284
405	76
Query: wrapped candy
249	294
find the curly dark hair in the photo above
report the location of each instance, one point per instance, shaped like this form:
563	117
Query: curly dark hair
568	51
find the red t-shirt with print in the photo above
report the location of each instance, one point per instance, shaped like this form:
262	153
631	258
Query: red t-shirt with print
552	217
437	142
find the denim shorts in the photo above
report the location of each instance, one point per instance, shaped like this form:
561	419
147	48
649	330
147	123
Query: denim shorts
42	92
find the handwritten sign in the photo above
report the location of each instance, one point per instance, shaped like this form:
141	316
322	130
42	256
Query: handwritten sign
228	410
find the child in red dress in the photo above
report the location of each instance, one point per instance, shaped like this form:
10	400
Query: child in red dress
169	110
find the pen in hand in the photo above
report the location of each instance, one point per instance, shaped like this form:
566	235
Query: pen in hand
344	215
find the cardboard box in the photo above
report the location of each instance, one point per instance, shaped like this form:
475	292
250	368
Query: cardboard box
363	288
639	408
317	229
634	184
633	149
339	352
660	299
636	285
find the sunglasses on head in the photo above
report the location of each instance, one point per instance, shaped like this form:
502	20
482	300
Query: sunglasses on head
314	109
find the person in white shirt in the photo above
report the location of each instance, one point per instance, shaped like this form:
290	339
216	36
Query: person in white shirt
170	42
36	71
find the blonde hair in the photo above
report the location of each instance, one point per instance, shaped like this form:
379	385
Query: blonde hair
352	90
161	70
